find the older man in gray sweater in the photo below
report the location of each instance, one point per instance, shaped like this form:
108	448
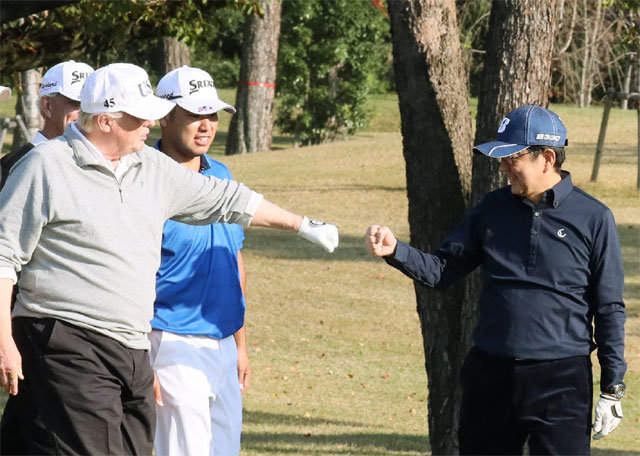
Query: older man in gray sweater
82	218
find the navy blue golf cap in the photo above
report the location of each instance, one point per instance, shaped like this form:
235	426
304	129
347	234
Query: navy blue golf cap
523	127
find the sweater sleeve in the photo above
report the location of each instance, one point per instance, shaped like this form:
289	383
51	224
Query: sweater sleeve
25	203
200	200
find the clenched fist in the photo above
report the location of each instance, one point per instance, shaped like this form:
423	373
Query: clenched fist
380	241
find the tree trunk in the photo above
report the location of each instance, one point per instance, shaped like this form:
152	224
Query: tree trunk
591	41
251	127
627	84
517	72
27	108
436	131
175	53
592	69
585	55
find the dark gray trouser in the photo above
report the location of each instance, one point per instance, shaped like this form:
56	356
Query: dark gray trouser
505	402
83	393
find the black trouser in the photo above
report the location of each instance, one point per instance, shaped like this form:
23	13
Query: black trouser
506	401
83	393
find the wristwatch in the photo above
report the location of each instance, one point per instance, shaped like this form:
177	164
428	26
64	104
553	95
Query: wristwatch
617	391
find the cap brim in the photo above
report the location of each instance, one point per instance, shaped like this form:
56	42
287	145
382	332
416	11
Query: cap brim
151	108
203	106
499	149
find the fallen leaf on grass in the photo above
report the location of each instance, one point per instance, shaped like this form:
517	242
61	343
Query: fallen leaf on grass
306	436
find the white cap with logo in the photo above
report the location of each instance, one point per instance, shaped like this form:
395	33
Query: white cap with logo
122	87
65	78
192	89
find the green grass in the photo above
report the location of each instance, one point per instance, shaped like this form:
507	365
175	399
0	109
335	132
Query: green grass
334	340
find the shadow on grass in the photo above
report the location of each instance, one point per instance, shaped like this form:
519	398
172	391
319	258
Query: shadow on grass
258	417
268	189
367	444
612	452
306	442
282	245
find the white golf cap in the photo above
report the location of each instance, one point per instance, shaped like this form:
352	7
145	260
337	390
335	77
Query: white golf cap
192	89
122	87
5	93
65	78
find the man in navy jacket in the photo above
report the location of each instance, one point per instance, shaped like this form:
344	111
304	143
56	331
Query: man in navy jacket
553	281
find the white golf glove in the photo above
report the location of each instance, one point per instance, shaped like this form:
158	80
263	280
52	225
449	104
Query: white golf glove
608	416
319	233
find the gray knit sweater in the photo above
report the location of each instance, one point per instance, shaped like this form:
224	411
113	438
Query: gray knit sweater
88	245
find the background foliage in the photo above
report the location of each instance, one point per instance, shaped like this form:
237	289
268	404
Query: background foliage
332	54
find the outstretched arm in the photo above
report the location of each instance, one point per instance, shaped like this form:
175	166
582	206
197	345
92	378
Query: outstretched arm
457	256
268	215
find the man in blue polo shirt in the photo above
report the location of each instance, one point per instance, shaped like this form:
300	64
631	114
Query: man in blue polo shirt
553	281
198	339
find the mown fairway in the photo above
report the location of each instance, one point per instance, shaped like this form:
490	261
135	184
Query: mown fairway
334	340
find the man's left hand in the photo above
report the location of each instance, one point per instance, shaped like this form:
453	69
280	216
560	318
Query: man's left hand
319	233
607	417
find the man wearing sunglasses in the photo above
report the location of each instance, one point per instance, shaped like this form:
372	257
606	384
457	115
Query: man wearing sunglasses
553	280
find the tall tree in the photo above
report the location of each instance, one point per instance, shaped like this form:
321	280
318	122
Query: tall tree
434	109
517	72
175	52
252	126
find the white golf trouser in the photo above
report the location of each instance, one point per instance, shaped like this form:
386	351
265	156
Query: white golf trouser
202	412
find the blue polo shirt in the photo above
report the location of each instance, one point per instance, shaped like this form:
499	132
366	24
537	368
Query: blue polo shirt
198	284
552	273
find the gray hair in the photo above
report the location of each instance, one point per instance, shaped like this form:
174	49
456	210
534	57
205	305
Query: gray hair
85	119
50	95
